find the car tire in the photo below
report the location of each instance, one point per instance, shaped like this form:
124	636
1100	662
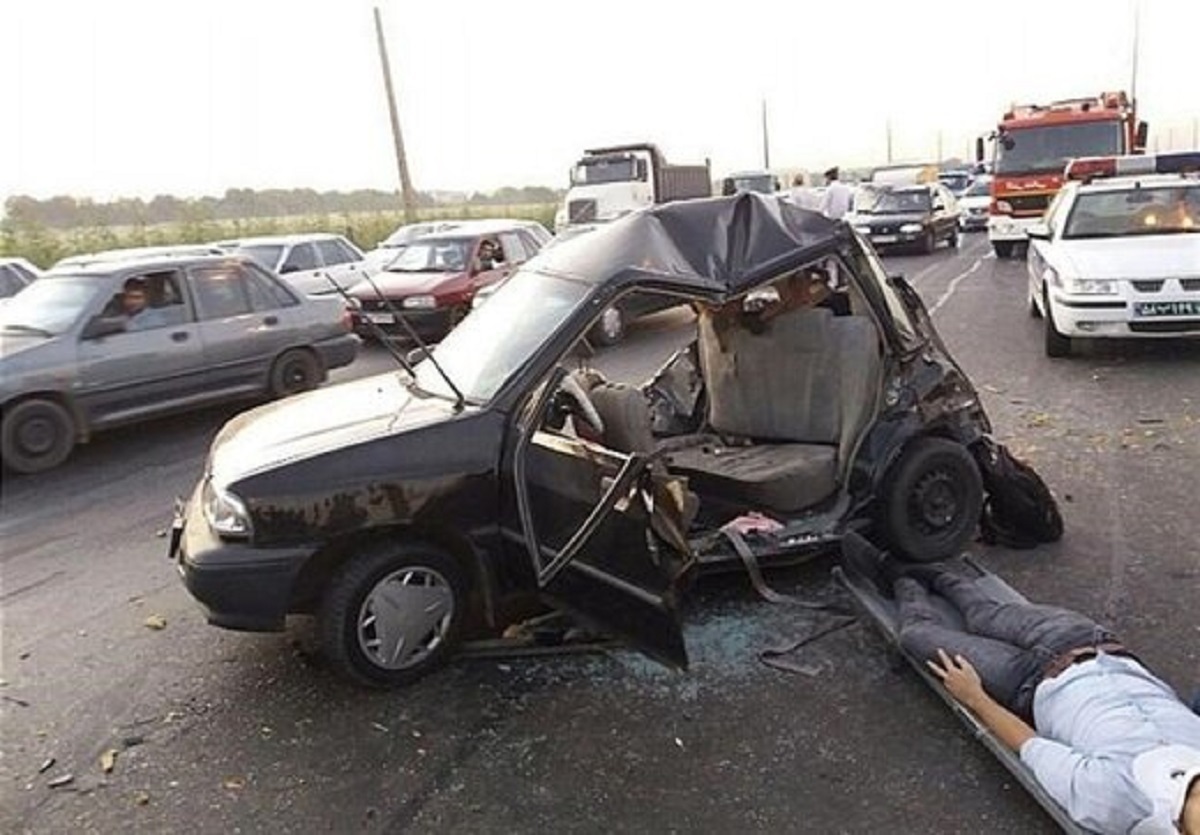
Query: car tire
36	435
1034	311
953	239
929	242
1004	249
1055	343
293	372
609	328
416	592
931	501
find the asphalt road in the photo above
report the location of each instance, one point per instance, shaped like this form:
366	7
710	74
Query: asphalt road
224	732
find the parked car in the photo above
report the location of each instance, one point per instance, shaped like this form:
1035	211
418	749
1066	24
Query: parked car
390	247
407	512
113	256
920	215
973	205
307	262
434	278
15	275
86	349
1118	252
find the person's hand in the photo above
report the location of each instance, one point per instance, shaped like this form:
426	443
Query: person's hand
959	677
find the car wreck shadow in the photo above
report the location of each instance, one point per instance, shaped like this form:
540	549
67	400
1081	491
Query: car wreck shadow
1151	350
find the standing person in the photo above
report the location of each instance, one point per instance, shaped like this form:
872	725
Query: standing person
835	202
802	195
1109	741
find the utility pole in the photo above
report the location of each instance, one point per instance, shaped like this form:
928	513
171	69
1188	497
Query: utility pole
1137	17
939	147
1196	133
765	138
406	188
889	140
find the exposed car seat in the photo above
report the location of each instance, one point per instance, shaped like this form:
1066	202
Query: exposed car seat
795	396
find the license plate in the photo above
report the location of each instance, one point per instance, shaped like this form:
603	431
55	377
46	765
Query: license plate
1147	309
382	318
884	239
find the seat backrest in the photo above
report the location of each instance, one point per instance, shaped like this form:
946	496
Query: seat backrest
626	416
781	384
860	367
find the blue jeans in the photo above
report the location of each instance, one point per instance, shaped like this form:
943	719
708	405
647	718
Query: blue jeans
1009	644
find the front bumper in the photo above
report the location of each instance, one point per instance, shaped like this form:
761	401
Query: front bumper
237	586
969	221
429	324
1099	317
881	240
1005	228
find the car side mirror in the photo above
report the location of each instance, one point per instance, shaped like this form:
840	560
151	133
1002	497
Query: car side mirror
288	268
99	326
897	280
1039	231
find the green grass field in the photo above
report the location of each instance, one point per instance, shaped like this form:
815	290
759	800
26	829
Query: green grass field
45	246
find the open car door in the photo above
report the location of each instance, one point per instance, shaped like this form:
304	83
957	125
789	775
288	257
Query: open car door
585	514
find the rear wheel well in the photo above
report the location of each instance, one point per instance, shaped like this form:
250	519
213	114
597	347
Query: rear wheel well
310	584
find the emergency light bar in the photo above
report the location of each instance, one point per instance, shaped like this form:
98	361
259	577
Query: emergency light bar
1087	168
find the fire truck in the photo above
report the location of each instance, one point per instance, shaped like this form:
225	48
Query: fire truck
1031	147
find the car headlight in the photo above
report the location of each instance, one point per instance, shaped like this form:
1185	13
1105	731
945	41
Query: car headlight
863	230
910	228
225	512
419	303
1090	286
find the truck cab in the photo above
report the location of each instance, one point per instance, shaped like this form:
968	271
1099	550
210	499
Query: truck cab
607	183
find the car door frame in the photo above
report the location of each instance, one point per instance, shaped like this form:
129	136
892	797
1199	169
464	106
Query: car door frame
645	617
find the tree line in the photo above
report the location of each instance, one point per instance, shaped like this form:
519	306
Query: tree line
65	212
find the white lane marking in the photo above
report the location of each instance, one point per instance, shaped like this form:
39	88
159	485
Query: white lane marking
954	282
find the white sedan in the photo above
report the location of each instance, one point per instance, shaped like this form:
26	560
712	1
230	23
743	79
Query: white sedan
1118	252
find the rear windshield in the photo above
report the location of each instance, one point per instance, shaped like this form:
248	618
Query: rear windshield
1135	211
266	254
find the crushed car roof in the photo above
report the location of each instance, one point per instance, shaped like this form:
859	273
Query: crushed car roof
721	245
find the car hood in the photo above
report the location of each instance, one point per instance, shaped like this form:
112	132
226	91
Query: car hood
1144	256
403	283
21	344
326	420
980	202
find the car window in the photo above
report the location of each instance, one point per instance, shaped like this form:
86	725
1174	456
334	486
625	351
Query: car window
220	292
514	249
1054	213
532	244
266	291
331	253
10	282
150	300
349	251
266	254
302	257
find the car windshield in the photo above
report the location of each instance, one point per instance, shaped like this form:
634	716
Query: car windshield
875	202
405	235
1135	211
440	256
50	306
979	188
954	182
1047	148
763	183
497	339
604	170
266	254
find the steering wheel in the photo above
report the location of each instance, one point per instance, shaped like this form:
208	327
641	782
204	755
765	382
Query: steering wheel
586	410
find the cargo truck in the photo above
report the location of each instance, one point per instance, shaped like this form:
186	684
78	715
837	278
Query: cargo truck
610	182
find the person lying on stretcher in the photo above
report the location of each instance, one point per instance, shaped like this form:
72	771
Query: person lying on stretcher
1108	740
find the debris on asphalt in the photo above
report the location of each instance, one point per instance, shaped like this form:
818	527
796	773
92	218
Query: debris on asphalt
132	740
380	728
679	742
21	656
234	783
47	765
160	533
108	760
142	799
15	700
61	780
155	622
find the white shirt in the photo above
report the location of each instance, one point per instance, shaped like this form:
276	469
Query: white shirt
835	202
1093	720
805	198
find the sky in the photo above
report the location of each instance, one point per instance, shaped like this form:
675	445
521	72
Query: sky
133	98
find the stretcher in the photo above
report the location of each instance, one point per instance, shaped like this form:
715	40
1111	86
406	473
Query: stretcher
884	614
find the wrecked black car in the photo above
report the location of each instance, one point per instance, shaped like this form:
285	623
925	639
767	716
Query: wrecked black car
403	510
